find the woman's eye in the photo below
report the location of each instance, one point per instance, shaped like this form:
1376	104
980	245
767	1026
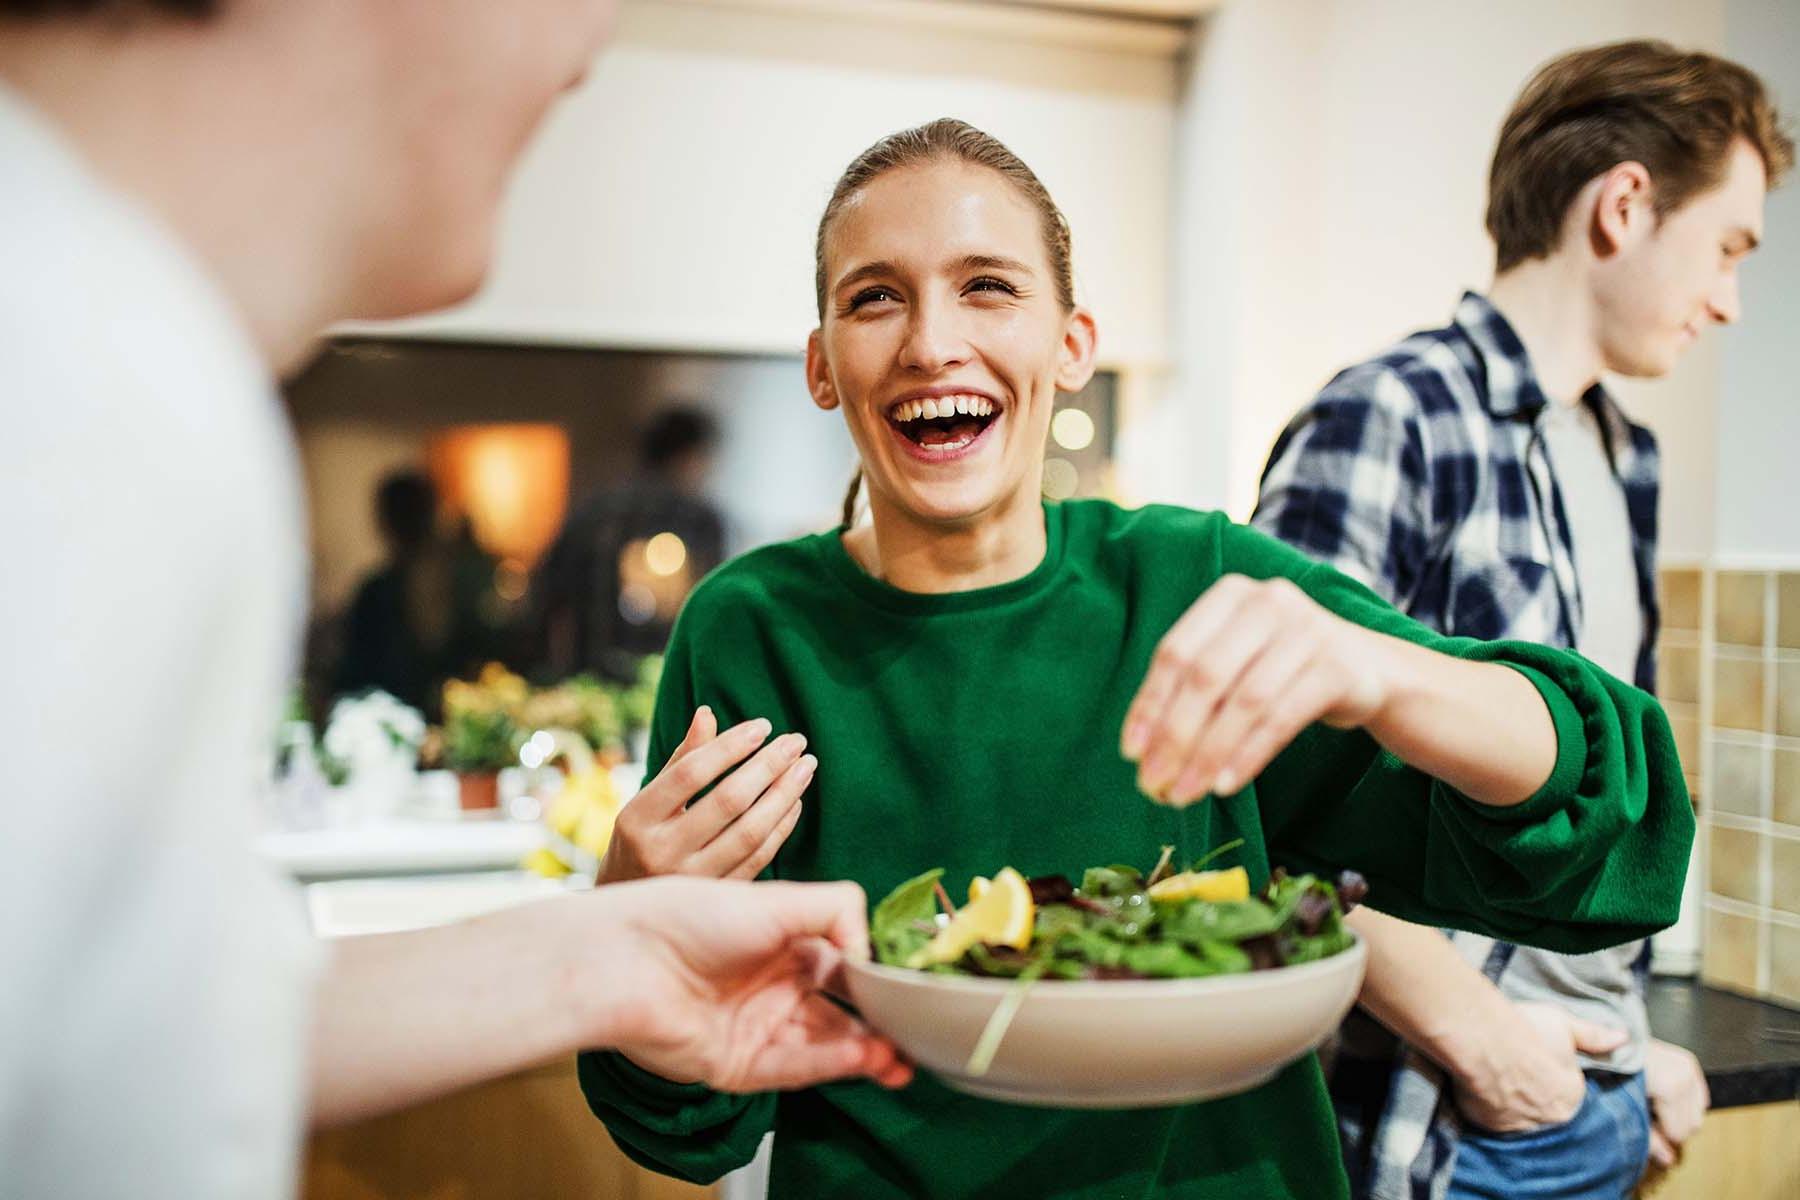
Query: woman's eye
987	283
870	296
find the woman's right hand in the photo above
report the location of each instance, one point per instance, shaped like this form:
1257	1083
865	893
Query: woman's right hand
734	832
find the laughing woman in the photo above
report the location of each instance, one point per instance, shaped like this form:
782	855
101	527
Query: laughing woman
984	679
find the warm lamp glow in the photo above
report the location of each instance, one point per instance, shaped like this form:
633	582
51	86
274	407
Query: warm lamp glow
1072	429
512	481
664	554
1060	479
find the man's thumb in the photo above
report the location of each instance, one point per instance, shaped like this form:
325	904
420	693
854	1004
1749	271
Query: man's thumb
1590	1038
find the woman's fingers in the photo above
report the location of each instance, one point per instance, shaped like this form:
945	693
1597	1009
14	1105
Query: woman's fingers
749	843
753	866
1243	672
1211	674
735	795
1174	654
702	729
684	778
1297	706
1269	678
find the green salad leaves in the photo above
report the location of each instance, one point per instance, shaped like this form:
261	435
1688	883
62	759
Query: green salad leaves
1112	927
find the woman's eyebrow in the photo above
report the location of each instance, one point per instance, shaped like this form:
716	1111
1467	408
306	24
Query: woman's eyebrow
990	262
871	270
972	262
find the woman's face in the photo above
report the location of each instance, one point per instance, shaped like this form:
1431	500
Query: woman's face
944	341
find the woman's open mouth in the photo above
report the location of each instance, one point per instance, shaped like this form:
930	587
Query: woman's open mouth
939	428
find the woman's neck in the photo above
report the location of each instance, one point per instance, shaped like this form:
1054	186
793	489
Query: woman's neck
1001	545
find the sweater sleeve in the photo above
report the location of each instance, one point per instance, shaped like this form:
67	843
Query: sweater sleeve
685	1130
1597	857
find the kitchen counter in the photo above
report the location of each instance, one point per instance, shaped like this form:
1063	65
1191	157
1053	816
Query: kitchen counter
1750	1049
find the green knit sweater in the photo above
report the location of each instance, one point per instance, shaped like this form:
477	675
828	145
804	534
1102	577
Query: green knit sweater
980	729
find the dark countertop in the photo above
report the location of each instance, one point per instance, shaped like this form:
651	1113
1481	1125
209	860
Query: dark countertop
1750	1049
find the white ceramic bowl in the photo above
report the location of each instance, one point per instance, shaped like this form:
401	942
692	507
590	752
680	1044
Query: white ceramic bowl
1113	1043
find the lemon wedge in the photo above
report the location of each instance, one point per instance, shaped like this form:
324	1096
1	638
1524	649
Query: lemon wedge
999	913
1232	884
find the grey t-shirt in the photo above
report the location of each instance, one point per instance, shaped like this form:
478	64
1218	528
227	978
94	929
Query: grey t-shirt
1599	986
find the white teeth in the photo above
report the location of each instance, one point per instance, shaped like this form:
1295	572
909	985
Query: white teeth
945	406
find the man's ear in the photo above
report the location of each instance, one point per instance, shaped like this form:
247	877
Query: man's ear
1624	209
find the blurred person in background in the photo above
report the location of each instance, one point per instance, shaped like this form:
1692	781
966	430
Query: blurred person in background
611	585
1481	478
428	613
191	190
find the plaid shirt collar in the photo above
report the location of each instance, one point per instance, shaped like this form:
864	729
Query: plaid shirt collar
1511	384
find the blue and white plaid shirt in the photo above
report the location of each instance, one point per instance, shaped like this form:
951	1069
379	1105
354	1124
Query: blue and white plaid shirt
1423	472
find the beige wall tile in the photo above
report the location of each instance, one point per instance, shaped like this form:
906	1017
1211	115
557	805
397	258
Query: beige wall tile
1787	698
1738	599
1678	674
1784	964
1784	874
1738	694
1686	731
1788	631
1680	598
1787	786
1735	864
1729	958
1738	778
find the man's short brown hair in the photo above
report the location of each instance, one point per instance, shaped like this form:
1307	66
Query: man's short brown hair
1676	112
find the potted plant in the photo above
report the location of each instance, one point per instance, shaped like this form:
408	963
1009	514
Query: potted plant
481	733
583	705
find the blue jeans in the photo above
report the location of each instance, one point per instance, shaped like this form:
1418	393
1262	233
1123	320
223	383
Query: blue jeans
1597	1155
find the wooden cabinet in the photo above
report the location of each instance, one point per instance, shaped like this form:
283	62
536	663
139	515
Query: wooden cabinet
529	1134
1748	1153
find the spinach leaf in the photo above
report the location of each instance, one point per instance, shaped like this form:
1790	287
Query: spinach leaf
902	920
1223	920
1111	882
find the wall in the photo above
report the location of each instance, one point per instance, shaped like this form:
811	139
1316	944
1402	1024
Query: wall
672	200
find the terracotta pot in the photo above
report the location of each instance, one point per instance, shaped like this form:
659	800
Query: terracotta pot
479	790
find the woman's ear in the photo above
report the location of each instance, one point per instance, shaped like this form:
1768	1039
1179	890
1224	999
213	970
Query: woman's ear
818	373
1075	362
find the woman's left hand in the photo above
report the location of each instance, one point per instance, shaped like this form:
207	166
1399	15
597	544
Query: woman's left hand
1245	669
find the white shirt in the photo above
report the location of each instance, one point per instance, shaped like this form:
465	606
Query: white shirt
1612	619
1598	986
155	977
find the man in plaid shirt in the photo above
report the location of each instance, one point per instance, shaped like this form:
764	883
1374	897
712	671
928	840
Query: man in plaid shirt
1480	478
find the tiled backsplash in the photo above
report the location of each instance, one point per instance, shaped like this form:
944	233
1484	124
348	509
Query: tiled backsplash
1729	674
